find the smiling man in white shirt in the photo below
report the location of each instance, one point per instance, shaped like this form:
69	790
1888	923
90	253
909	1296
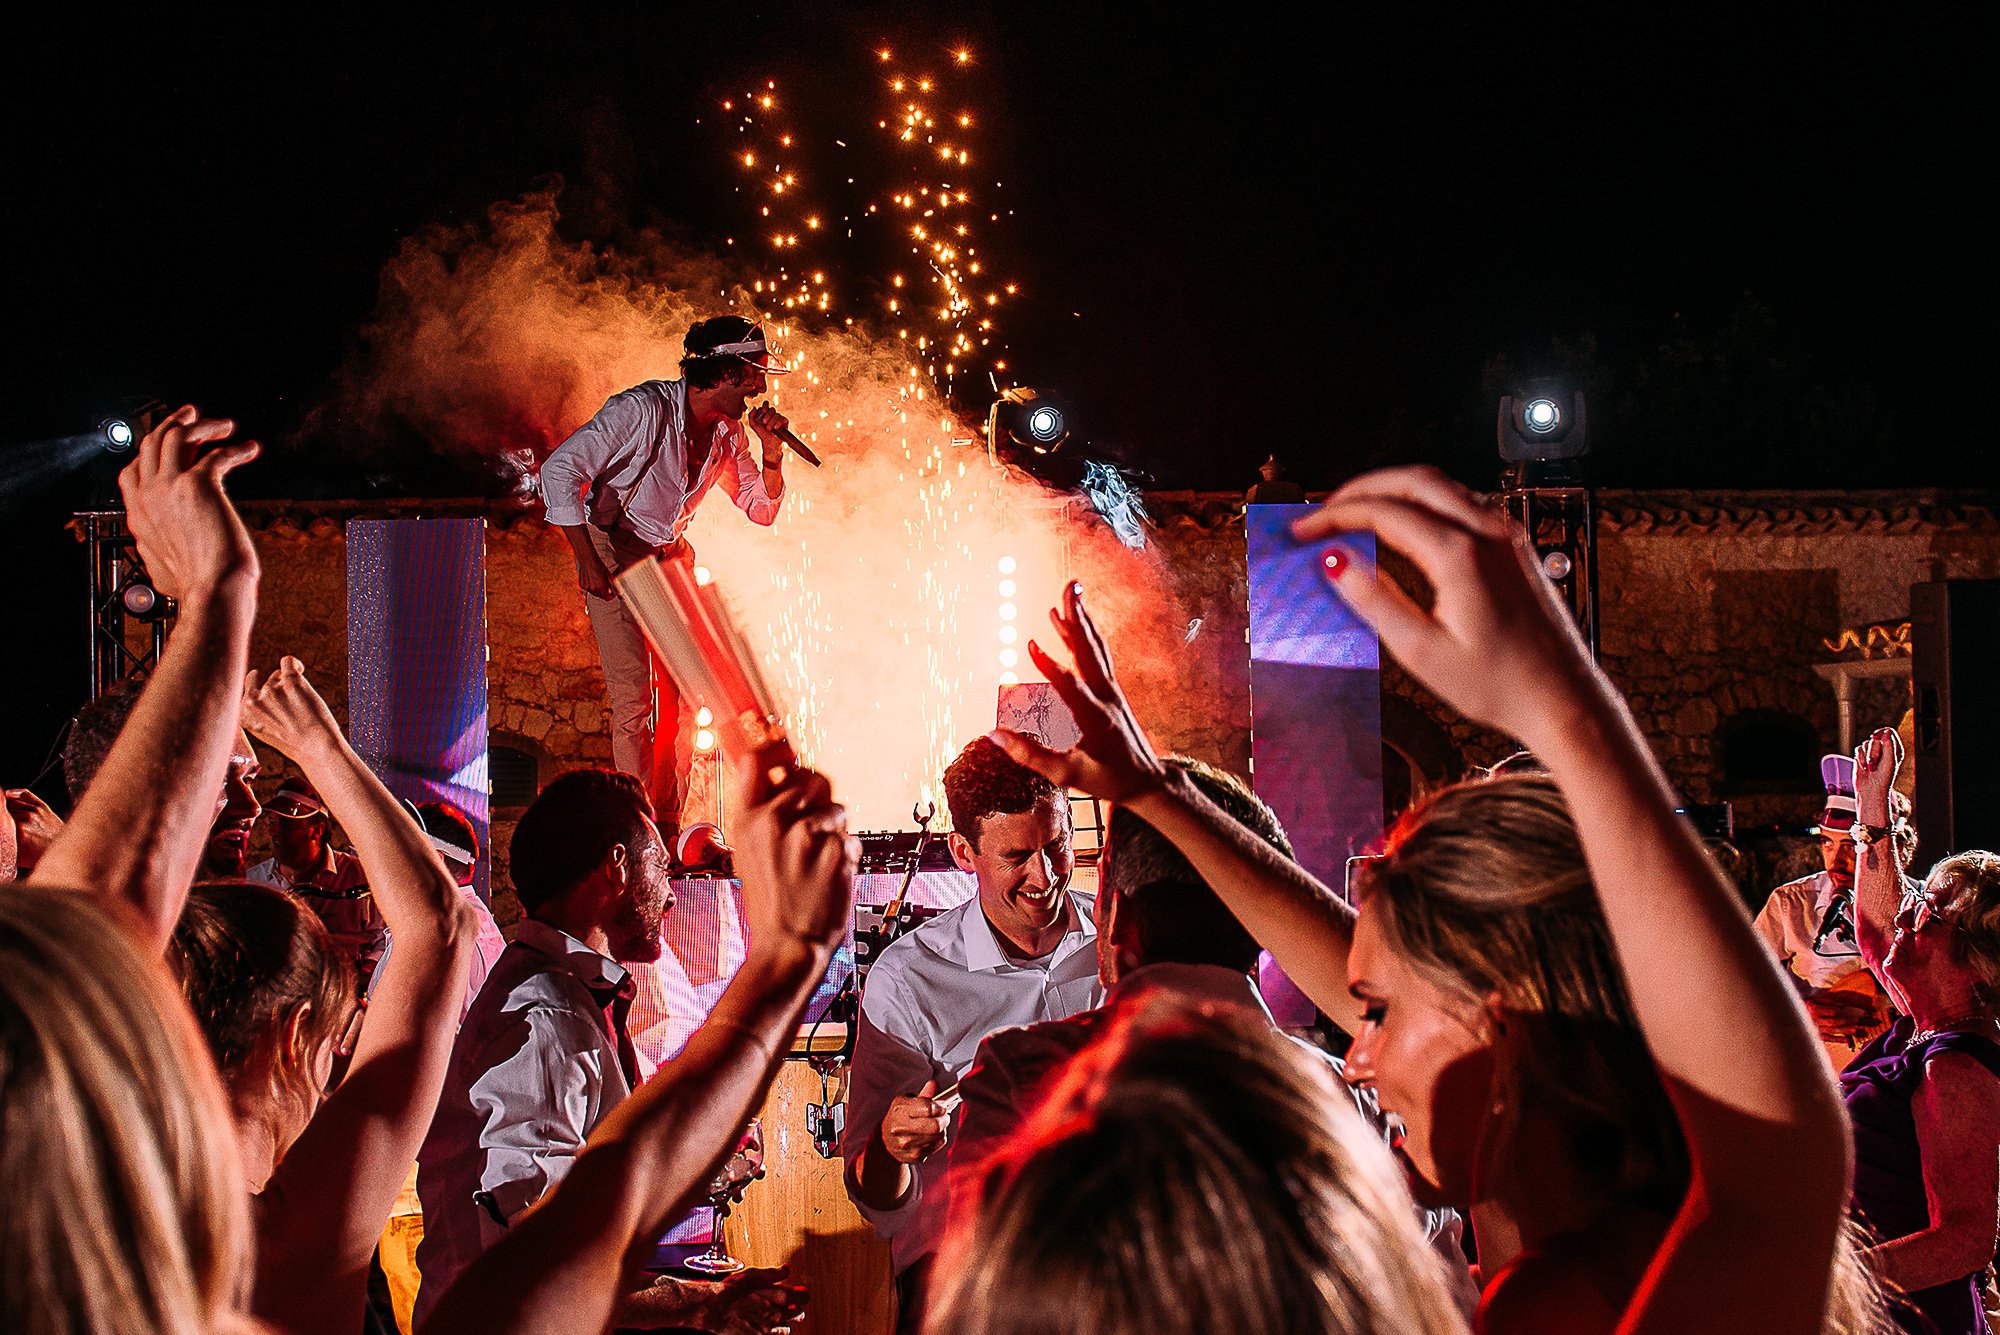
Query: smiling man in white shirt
1021	951
625	486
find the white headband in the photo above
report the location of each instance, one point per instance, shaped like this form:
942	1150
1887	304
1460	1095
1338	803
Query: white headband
732	349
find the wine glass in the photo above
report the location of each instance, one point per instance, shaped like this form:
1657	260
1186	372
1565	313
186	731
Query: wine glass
742	1168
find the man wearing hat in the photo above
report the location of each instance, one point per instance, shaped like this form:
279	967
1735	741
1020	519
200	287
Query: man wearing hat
625	486
333	884
1809	923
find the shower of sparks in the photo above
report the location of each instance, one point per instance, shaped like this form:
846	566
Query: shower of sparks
919	185
920	587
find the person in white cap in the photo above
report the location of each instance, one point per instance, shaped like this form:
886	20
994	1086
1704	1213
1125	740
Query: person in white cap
625	486
1809	923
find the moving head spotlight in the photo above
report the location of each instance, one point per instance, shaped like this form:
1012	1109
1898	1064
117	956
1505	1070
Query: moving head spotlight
1544	422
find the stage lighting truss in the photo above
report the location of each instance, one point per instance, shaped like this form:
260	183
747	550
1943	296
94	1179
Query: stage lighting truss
1559	524
129	616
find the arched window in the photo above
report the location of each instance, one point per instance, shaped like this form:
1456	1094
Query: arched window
1768	751
514	766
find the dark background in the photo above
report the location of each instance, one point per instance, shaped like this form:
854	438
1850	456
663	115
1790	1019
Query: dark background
1756	238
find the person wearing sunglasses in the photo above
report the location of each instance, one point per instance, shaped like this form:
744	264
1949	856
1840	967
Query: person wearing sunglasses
1924	1098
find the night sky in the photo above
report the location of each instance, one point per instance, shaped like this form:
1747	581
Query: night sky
1757	238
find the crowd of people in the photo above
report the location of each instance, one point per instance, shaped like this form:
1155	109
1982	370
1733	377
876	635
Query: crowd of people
1583	1091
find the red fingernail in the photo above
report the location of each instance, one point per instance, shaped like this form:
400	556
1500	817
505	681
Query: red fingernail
1334	562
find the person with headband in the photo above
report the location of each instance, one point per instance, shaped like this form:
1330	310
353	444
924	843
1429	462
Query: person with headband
625	486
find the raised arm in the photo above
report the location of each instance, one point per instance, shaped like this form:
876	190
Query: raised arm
1878	873
136	835
1752	1247
1305	925
566	1264
330	1197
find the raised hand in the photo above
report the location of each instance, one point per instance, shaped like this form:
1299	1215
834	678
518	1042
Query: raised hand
1496	643
35	826
283	709
190	537
1112	759
1876	762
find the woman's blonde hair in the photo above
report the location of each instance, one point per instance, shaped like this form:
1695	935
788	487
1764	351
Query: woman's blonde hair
1484	891
1190	1173
1970	901
125	1208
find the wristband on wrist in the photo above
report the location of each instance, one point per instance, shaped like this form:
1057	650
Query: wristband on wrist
1870	834
771	463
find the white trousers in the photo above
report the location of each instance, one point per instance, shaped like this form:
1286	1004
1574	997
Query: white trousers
641	698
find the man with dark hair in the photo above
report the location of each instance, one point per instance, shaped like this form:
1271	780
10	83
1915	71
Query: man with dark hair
91	733
1158	924
333	884
543	1054
625	486
97	725
1159	927
1809	923
1016	953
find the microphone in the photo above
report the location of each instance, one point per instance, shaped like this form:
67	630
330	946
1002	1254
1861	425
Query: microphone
798	446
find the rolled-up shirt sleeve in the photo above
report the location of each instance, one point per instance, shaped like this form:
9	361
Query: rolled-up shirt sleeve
884	1068
753	497
594	451
536	1101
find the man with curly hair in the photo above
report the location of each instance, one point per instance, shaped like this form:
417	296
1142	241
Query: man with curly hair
1020	951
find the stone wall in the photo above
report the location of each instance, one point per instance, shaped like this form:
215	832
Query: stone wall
1712	606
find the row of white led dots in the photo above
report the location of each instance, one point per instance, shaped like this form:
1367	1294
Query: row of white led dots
1010	657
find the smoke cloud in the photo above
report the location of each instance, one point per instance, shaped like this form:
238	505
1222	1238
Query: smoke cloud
901	581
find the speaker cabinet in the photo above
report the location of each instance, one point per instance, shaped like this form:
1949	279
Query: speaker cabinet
1955	648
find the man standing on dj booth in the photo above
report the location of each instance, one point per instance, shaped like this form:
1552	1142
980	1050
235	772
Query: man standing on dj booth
625	486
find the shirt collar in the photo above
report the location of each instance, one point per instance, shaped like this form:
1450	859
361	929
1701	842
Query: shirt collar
1198	982
984	952
1824	890
586	965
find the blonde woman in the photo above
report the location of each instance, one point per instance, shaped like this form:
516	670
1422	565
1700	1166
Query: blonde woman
125	1208
1192	1171
1752	1244
1925	1097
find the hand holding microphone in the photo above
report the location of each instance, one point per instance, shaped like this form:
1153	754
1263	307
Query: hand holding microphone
771	426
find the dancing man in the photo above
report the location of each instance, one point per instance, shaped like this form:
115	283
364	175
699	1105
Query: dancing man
625	486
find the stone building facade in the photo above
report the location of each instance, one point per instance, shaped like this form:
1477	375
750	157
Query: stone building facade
1723	616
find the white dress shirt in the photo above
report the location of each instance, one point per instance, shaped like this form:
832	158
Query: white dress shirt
610	474
929	1001
1789	923
533	1072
